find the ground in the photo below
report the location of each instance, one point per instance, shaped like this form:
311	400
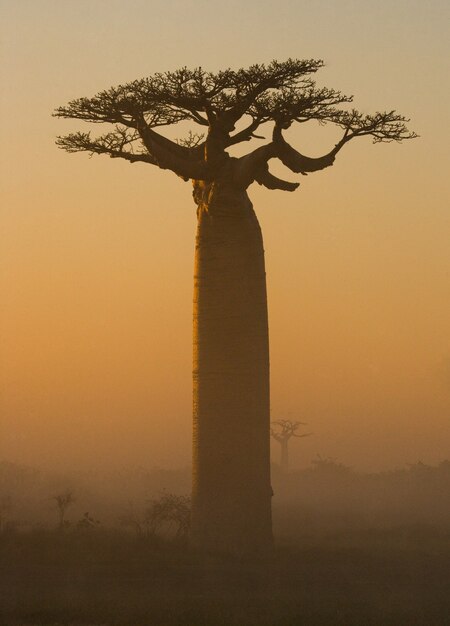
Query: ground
100	577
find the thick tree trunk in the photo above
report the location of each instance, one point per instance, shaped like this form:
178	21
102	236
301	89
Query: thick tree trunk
231	504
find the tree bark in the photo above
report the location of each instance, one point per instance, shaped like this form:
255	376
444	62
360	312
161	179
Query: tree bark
231	503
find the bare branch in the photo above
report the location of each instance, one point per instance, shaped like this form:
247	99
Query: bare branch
245	135
105	144
193	140
297	162
169	155
159	150
254	165
300	104
252	83
381	126
265	178
285	429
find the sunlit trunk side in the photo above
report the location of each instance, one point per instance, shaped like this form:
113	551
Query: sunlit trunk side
231	504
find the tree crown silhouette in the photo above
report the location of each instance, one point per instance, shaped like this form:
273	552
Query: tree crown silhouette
282	430
281	93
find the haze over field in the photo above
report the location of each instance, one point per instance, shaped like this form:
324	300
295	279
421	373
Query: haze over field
97	255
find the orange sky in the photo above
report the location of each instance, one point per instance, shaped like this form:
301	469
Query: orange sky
97	255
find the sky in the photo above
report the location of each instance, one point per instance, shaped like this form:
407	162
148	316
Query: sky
96	255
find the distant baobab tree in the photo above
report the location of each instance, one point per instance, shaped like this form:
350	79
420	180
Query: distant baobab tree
283	431
231	500
63	502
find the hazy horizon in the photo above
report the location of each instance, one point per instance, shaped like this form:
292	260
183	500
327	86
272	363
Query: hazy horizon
96	257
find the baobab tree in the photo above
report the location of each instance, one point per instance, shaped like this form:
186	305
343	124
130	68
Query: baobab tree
63	502
231	499
283	431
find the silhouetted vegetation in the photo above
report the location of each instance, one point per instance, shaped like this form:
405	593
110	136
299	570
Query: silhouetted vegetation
353	549
168	514
330	497
326	497
283	431
63	502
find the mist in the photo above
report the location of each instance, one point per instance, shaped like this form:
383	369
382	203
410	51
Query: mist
350	546
141	481
326	499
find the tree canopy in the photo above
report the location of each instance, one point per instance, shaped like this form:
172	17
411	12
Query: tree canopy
283	430
281	93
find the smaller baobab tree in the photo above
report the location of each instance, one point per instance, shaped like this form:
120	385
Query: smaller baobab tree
63	501
283	431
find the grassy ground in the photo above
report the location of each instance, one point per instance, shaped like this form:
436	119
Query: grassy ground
398	577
